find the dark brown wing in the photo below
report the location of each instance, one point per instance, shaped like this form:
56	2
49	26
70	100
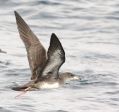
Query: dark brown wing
56	57
35	51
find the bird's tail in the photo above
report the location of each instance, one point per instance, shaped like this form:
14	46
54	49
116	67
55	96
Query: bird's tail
20	88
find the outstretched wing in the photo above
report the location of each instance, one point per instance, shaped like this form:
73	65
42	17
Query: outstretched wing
35	51
56	57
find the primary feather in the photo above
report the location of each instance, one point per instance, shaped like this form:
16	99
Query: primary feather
36	53
56	57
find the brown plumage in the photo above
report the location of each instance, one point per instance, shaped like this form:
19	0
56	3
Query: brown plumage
45	72
36	53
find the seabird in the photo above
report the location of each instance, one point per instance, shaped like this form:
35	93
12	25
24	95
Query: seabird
44	67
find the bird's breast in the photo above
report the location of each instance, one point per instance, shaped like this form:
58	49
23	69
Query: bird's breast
46	85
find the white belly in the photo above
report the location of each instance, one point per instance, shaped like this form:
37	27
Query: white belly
49	86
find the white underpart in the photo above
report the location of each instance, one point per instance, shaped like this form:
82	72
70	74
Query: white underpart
50	86
55	62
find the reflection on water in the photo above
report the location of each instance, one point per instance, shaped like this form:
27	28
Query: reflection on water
89	32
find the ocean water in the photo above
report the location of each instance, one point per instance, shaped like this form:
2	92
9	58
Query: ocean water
89	32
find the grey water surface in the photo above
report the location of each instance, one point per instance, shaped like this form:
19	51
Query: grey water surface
89	32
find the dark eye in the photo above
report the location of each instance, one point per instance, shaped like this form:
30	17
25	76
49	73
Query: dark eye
72	75
49	72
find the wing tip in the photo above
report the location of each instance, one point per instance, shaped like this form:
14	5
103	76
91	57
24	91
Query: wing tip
55	44
19	19
54	37
16	14
55	41
53	34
